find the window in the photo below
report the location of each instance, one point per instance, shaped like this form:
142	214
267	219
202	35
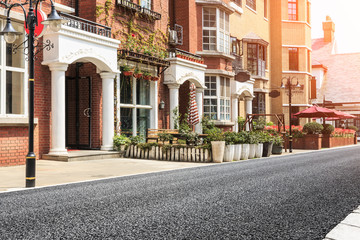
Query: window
216	30
265	8
145	4
135	105
293	59
292	10
217	98
258	104
251	4
13	85
256	59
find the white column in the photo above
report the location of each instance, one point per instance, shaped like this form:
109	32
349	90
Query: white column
248	109
235	112
174	101
199	102
58	128
107	110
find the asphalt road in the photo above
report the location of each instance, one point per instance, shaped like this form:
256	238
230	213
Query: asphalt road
293	197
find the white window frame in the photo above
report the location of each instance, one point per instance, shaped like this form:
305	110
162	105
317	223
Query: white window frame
222	31
134	106
4	69
146	4
222	101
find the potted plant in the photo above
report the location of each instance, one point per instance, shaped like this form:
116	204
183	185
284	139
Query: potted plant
137	73
277	147
155	78
238	146
267	141
229	146
128	70
253	141
120	143
245	146
146	76
216	138
259	145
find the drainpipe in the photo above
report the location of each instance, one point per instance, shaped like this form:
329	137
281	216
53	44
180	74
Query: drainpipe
77	8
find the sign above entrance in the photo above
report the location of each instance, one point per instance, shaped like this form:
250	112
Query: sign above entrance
39	28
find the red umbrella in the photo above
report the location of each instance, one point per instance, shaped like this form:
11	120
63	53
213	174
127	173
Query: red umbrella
316	112
342	115
193	117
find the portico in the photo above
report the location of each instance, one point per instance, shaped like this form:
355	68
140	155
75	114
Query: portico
72	45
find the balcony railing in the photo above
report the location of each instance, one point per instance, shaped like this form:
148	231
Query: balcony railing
145	11
175	52
86	25
142	58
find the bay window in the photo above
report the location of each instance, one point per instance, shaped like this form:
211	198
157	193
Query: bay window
216	30
13	83
256	59
217	98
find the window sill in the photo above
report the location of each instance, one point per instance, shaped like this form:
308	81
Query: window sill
254	11
15	122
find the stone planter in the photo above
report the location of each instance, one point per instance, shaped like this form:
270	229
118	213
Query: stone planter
217	149
122	150
259	150
252	151
245	150
277	149
237	152
267	148
229	153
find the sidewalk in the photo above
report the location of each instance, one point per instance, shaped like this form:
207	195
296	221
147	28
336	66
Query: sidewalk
55	172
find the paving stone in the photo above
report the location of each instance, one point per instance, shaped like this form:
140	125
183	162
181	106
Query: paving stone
352	219
344	232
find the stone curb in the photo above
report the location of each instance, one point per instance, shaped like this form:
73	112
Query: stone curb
348	229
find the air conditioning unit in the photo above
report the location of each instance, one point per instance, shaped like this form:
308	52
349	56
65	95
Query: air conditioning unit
173	39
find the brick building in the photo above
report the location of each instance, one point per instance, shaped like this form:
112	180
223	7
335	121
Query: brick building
74	81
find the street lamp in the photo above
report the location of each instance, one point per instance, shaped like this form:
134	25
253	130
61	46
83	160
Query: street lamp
289	86
10	35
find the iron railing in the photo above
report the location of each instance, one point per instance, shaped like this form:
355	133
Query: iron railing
138	8
86	25
175	52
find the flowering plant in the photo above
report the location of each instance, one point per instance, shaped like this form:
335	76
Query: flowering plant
339	132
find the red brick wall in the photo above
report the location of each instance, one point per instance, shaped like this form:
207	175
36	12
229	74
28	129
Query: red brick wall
14	145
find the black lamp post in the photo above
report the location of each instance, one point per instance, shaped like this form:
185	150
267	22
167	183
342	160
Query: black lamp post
10	34
289	86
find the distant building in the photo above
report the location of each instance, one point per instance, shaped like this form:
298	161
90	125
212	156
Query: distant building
337	75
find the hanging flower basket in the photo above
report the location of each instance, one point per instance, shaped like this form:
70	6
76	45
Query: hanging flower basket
128	73
147	77
155	78
138	75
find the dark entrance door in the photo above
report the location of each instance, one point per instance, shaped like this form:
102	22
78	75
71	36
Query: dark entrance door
78	112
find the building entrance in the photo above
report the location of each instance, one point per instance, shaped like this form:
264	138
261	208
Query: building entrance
78	112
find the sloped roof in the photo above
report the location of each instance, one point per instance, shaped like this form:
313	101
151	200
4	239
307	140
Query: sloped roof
342	82
254	38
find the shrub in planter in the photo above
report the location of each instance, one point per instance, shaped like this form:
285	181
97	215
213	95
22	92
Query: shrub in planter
328	129
230	138
216	137
165	137
277	144
120	143
312	128
353	128
135	140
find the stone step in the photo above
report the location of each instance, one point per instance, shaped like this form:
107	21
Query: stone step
82	155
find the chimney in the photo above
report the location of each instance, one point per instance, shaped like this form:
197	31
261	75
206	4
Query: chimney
329	29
